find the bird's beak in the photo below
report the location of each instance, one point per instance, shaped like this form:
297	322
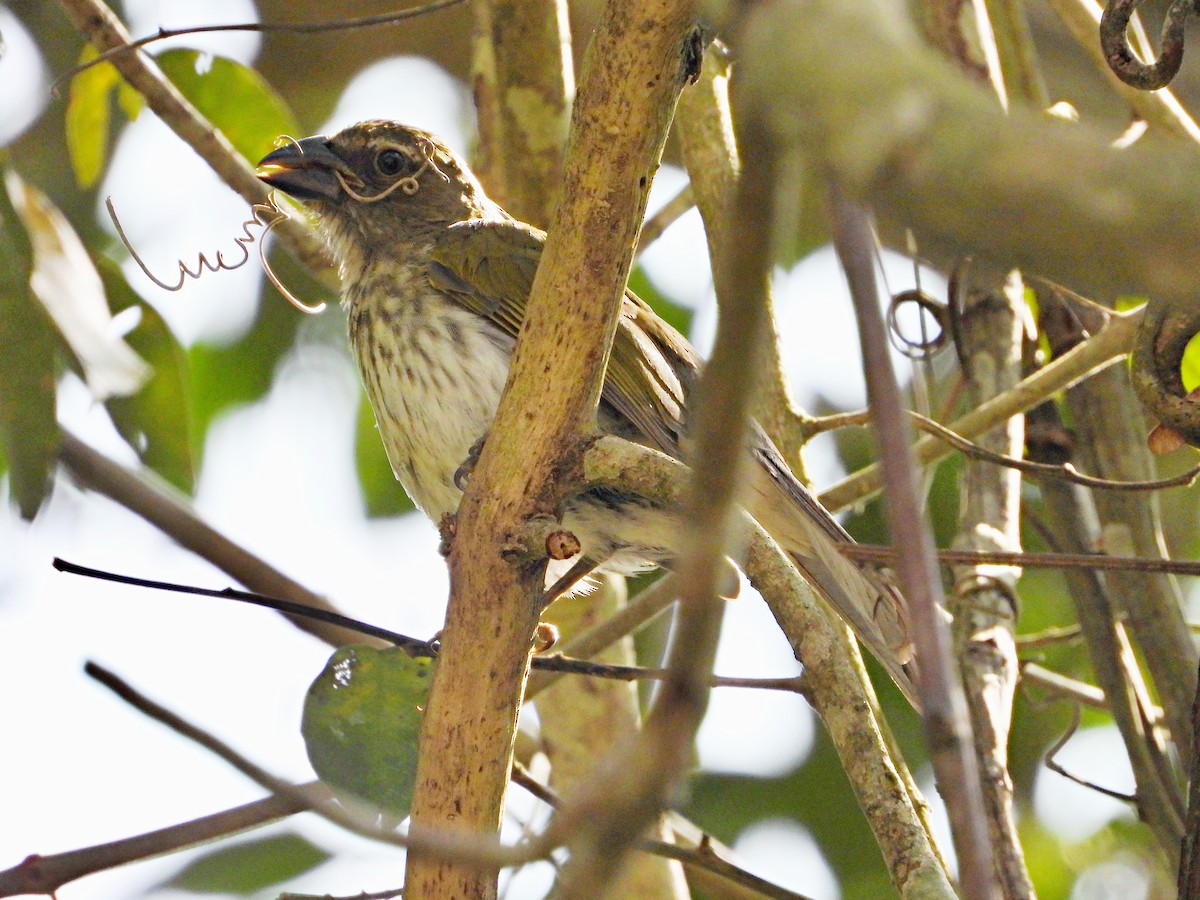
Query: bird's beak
307	169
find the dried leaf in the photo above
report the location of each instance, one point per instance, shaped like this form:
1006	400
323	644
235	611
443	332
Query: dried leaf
66	283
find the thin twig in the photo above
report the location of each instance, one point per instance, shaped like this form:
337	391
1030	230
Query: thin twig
672	211
39	874
414	646
947	727
1032	560
455	845
1065	471
559	663
1105	347
105	31
1054	765
639	612
392	18
144	494
375	895
1066	634
1071	688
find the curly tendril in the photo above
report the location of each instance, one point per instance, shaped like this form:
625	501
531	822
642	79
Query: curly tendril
265	215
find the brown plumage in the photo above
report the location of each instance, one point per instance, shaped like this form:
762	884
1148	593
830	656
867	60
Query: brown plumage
436	277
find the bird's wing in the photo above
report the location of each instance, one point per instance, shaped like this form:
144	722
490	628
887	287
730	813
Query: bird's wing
489	267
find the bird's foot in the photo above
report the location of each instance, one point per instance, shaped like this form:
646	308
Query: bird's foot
462	475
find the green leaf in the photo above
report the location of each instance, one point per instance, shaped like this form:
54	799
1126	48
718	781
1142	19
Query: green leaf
29	434
88	117
360	724
233	97
1190	367
380	489
130	99
249	866
155	421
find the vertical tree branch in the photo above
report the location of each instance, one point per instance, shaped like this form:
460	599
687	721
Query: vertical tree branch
583	719
636	785
523	81
632	76
984	604
1112	444
1189	857
947	727
1113	664
705	128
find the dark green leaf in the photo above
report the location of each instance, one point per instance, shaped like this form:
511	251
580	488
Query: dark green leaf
155	421
380	489
360	724
249	866
28	427
233	97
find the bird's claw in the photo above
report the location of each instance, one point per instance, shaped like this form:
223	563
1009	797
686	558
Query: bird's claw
462	475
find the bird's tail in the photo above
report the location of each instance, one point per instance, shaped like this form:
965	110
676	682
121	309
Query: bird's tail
809	535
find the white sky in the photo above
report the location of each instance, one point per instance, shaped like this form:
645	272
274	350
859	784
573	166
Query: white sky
279	478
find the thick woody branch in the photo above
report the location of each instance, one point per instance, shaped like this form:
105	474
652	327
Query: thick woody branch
893	123
633	787
523	109
1111	442
1114	666
631	79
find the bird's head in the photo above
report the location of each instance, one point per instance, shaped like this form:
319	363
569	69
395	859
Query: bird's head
376	184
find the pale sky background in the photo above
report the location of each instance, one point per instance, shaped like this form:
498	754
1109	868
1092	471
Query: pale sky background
79	767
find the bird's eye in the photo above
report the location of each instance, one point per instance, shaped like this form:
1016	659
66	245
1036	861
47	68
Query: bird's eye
389	162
